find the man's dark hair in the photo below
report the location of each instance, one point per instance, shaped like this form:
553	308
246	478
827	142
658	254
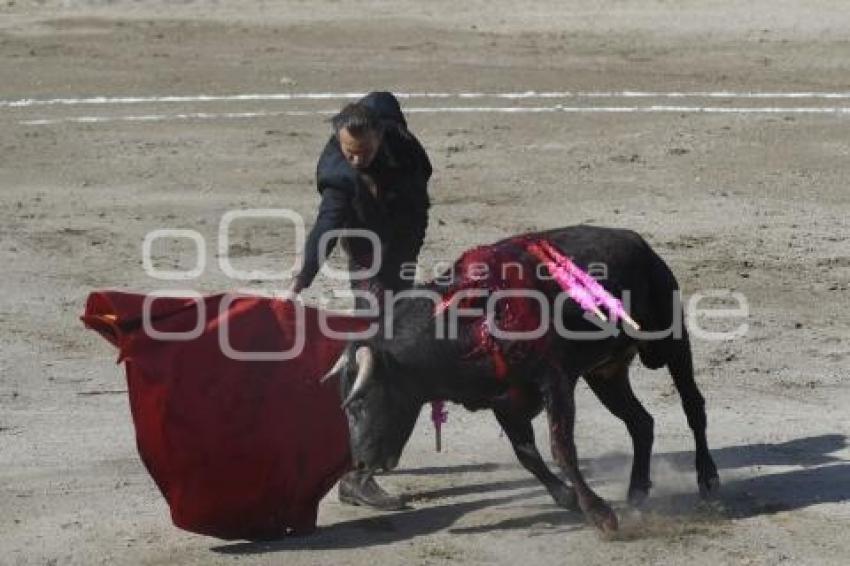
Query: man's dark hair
358	119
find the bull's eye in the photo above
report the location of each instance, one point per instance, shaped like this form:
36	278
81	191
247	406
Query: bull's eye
357	407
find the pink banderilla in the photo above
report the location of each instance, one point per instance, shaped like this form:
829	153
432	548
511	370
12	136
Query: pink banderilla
439	416
580	286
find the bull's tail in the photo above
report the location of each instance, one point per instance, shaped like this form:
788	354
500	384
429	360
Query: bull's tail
663	314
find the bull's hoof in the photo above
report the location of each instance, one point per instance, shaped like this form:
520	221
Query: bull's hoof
600	515
355	489
709	488
637	496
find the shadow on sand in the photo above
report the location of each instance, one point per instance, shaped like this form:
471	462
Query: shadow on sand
811	451
824	478
393	527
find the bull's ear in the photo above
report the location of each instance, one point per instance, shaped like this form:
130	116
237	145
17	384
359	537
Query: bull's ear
365	360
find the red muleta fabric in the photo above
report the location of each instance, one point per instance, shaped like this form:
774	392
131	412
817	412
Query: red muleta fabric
239	449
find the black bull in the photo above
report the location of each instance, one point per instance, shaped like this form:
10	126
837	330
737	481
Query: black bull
387	379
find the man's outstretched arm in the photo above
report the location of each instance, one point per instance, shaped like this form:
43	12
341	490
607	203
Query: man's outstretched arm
332	212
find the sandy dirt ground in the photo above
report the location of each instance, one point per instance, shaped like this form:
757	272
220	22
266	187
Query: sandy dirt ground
749	201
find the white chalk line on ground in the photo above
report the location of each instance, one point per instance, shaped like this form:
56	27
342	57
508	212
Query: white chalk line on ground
839	110
527	95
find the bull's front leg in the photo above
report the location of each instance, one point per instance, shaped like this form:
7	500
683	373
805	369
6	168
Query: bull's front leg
560	408
521	434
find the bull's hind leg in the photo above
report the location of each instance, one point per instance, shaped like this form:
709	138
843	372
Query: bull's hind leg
611	385
680	364
521	434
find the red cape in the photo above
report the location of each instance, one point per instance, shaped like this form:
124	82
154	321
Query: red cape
239	449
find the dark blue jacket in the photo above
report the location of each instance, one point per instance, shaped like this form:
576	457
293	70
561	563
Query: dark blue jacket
398	215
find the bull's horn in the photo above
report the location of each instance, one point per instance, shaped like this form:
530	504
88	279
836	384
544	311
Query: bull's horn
365	365
340	364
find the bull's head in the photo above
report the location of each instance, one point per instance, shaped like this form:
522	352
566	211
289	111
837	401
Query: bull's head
381	405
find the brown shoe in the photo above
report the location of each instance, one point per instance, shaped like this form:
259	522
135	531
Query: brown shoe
360	488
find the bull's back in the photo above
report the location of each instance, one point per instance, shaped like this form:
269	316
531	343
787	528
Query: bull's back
624	263
620	251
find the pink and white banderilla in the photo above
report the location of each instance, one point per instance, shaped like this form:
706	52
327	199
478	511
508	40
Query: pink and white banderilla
579	285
